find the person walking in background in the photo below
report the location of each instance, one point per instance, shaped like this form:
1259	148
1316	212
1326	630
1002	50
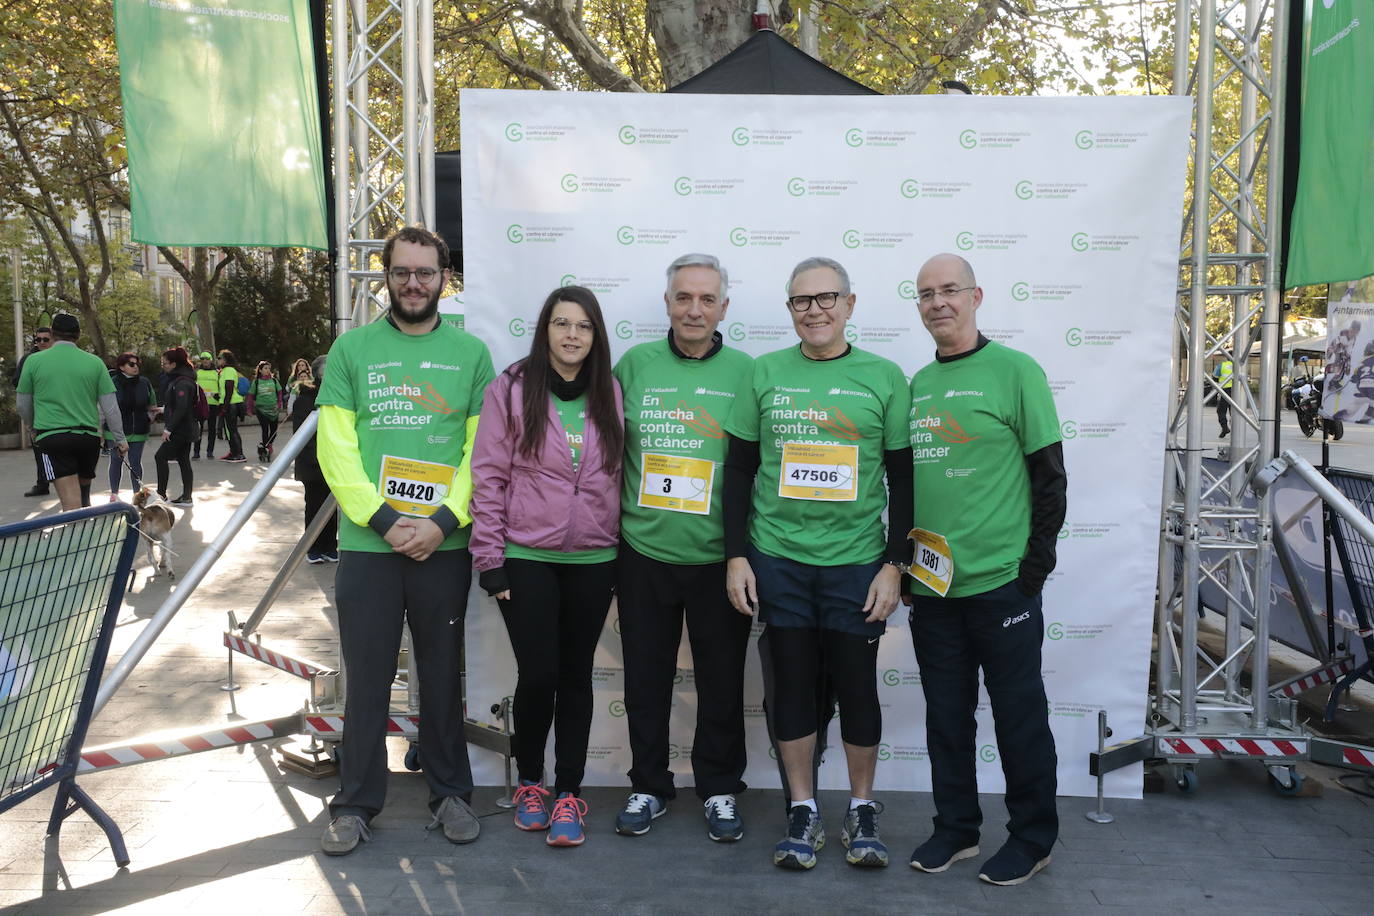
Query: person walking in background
207	377
545	523
135	397
179	428
230	400
42	339
265	397
325	547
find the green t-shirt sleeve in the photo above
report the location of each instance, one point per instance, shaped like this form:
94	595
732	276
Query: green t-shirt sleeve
897	410
337	389
743	422
482	377
1038	421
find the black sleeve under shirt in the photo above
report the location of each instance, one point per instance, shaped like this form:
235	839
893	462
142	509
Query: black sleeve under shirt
901	512
1049	485
741	466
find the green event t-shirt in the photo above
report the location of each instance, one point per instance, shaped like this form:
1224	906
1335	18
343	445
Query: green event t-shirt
573	415
973	421
67	383
676	407
853	405
208	380
412	396
265	392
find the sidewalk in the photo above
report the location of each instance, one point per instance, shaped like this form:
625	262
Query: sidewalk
227	830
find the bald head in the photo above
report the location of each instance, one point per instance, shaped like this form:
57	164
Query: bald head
953	261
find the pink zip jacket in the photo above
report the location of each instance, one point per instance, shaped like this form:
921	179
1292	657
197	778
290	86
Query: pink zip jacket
540	501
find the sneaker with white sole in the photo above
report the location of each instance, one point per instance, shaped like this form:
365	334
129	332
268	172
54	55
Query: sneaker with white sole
1010	866
860	837
343	835
940	852
639	812
805	837
723	822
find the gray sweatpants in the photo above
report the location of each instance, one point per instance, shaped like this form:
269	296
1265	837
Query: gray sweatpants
376	593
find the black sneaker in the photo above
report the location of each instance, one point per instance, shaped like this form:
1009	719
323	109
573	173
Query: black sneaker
183	500
1011	866
940	852
36	490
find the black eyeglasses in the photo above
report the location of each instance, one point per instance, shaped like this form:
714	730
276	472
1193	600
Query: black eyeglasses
803	303
402	274
42	340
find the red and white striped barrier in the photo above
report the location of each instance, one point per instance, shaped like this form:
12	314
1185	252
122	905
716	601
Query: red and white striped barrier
296	666
1231	747
117	755
1358	757
1314	679
332	727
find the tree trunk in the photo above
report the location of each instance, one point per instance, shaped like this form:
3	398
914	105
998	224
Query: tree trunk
691	35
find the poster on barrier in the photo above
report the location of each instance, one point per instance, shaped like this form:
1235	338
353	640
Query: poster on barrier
1348	376
1068	211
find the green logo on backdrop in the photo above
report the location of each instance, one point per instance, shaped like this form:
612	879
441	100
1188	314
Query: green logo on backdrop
617	708
515	233
615	625
740	136
1063	532
851	333
1084	139
1020	291
683	186
516	327
514	132
1073	337
968	139
569	183
1079	241
1025	190
1055	630
892	677
796	186
624	330
739	236
987	753
1068	429
911	188
736	331
625	235
963	241
854	137
907	289
567	280
851	238
627	135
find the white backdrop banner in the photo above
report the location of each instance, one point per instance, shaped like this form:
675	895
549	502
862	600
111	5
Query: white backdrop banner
1068	210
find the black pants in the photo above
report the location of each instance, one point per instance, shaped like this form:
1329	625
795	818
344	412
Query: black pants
180	450
554	616
316	492
653	598
212	430
1001	632
230	414
268	425
377	593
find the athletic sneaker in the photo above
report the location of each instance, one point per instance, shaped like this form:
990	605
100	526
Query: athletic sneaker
313	558
565	824
183	500
640	810
805	837
36	490
940	852
722	819
238	458
331	556
343	835
531	812
1011	866
458	820
860	837
114	497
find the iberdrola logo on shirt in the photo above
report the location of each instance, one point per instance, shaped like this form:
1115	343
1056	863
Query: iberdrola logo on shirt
791	420
931	425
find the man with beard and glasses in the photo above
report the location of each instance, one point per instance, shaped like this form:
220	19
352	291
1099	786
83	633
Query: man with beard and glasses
398	415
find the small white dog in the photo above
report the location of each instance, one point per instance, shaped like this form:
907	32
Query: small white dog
156	520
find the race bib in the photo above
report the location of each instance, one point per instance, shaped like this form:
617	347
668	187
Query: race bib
819	471
932	564
414	487
676	484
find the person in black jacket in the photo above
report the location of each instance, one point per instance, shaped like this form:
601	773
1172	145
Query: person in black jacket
326	545
179	424
42	339
134	395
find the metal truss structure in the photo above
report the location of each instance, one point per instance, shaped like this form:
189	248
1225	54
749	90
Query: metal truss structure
383	158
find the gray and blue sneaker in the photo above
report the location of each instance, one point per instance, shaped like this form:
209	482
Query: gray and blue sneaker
805	837
860	837
722	819
638	814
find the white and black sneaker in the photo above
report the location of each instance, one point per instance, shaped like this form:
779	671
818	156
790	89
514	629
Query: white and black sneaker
723	823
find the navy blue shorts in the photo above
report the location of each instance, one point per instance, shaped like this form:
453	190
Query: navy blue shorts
799	595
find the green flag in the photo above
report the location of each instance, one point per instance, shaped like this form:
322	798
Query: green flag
1333	219
222	122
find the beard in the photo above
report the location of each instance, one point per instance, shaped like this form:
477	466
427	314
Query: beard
415	316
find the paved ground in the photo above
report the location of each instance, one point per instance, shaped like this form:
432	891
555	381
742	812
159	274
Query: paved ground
229	830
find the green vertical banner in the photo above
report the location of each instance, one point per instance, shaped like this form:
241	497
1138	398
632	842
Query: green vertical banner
1333	217
221	121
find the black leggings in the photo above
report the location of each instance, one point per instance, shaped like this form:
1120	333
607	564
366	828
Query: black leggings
554	616
850	661
179	449
269	427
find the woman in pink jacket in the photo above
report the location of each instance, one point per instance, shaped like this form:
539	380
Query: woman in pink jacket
545	524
